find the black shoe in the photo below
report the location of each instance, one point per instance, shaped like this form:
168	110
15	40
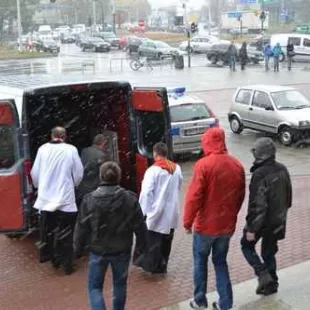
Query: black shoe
69	269
264	279
271	289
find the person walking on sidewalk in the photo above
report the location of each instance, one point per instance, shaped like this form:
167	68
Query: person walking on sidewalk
277	52
232	54
269	201
290	52
243	55
213	201
268	54
109	217
56	171
160	203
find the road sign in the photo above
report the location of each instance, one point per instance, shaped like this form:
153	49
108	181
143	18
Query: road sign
236	15
248	1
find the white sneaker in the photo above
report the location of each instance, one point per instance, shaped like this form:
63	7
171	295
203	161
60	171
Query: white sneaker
194	306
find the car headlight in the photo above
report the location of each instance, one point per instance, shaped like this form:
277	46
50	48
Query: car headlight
304	123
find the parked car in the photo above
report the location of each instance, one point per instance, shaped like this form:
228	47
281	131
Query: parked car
157	49
81	38
219	53
67	38
199	44
109	37
47	46
237	31
96	44
190	118
279	110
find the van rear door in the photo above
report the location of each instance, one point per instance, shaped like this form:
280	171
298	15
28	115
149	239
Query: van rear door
12	215
151	124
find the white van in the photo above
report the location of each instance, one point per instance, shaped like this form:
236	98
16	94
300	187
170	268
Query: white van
45	30
301	44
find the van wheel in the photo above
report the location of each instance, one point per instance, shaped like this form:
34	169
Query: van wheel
286	136
235	125
14	236
213	60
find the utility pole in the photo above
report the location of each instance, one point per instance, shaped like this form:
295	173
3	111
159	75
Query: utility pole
209	16
94	12
114	16
19	25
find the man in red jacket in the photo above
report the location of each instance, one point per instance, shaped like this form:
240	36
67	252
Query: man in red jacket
213	201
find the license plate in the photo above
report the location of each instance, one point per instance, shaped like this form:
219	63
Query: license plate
194	131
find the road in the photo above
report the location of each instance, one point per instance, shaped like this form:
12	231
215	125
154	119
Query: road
26	284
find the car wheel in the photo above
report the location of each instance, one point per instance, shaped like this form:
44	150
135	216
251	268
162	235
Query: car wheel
286	136
282	58
235	125
189	49
158	56
213	60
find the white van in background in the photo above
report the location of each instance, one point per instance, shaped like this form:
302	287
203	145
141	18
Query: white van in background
45	30
301	44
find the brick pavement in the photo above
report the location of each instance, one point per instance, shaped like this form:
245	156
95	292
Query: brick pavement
27	285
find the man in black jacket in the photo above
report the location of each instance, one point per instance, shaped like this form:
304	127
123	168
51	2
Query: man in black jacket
92	158
290	52
269	201
107	220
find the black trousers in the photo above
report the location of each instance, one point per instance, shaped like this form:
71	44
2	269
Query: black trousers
156	257
56	238
269	250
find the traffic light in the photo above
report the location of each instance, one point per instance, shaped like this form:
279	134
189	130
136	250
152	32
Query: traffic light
194	28
178	21
263	16
52	1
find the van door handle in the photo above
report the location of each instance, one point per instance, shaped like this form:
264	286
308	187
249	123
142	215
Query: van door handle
251	109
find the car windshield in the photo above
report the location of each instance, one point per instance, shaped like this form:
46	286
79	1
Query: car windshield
109	35
162	45
97	40
189	112
49	42
291	99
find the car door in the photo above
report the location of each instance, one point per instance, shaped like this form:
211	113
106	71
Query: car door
195	44
262	114
12	171
205	45
150	124
242	104
306	48
297	47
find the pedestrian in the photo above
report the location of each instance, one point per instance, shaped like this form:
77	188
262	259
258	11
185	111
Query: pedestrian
92	158
290	52
160	203
56	171
109	217
268	54
232	56
269	201
243	55
213	201
277	52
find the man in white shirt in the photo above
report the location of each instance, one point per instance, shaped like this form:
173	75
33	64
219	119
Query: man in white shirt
56	172
160	203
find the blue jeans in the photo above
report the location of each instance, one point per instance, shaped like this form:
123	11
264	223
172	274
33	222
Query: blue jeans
202	247
232	63
98	266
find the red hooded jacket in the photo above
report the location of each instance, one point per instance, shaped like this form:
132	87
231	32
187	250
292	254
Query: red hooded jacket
217	190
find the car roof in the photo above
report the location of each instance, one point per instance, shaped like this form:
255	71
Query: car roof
186	98
268	88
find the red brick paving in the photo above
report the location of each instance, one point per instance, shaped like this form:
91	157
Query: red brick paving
26	284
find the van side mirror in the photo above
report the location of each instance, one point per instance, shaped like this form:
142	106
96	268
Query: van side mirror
269	108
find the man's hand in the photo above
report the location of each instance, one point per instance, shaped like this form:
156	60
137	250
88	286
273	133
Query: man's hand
188	231
250	236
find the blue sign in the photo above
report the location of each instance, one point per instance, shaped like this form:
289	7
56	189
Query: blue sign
248	1
234	15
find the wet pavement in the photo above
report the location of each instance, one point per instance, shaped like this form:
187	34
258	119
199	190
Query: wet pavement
26	284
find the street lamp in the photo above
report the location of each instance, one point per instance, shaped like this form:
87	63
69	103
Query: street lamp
19	26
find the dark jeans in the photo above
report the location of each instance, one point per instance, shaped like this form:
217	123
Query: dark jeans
269	250
232	63
56	238
98	266
202	247
276	61
289	62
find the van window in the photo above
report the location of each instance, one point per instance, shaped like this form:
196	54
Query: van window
244	96
7	148
295	41
151	129
307	42
189	112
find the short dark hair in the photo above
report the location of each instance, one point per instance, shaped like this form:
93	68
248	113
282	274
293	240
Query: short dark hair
161	149
59	133
110	172
100	139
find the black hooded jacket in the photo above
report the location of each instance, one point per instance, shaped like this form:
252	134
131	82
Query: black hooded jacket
107	220
270	198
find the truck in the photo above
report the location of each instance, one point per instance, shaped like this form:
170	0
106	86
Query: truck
250	20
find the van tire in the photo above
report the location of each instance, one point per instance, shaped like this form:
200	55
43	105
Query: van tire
213	60
235	125
286	136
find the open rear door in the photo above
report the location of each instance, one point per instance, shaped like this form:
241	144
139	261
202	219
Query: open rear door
12	217
151	124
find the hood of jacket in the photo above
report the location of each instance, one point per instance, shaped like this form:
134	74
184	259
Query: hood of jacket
213	142
167	165
264	150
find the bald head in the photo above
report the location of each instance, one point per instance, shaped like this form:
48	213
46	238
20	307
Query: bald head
59	133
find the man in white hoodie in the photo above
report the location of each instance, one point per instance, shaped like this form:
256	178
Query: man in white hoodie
56	172
160	204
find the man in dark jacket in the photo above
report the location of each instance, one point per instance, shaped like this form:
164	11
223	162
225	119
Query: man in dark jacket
269	201
290	52
243	55
232	54
109	217
92	158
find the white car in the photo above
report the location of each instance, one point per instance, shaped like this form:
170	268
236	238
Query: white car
190	118
199	44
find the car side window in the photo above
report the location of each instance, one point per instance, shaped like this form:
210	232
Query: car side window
295	41
261	100
307	42
244	96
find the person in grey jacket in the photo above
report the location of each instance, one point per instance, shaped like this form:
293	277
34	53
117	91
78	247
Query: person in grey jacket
92	158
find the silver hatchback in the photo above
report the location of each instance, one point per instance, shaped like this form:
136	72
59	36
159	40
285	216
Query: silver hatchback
279	110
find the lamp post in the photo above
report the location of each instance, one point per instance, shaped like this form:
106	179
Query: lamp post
19	25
